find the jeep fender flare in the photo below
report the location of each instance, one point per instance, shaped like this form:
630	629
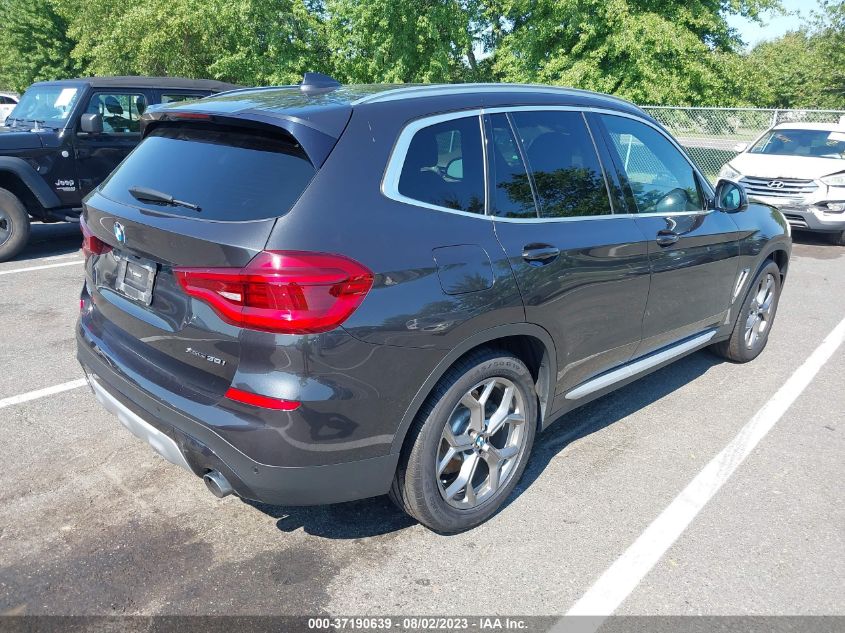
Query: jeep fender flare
546	381
31	180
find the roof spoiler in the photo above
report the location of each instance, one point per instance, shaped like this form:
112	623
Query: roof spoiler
316	143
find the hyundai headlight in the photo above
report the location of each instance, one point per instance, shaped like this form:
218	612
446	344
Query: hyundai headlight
835	180
729	173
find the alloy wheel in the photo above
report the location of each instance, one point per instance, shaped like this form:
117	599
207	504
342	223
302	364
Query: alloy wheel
481	444
759	316
5	227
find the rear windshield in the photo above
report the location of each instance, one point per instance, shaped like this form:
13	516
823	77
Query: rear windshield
231	175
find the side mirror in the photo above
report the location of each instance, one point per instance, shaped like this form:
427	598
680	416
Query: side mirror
730	196
91	123
455	169
740	147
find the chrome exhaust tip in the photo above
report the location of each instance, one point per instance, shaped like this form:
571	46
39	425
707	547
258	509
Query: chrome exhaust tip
217	484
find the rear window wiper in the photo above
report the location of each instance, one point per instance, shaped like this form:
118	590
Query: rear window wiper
151	195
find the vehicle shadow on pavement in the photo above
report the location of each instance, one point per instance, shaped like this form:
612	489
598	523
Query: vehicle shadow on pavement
815	246
352	520
378	516
610	409
49	240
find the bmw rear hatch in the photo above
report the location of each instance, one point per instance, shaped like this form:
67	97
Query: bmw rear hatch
201	193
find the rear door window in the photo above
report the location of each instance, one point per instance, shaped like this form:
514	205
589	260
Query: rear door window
233	175
567	174
513	196
173	97
444	166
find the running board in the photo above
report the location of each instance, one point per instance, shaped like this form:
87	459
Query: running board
627	371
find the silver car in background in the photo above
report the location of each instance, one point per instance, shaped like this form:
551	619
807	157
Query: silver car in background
800	169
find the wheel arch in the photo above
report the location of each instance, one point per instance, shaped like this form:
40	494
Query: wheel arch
529	342
21	179
779	255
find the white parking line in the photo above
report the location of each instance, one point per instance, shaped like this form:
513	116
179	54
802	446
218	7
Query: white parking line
41	393
65	256
30	268
623	576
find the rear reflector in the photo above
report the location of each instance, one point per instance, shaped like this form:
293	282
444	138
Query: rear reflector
91	245
289	292
265	402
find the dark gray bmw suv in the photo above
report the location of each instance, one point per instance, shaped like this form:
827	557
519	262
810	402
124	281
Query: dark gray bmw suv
318	293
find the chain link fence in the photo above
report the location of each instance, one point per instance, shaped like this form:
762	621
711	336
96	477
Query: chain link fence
710	135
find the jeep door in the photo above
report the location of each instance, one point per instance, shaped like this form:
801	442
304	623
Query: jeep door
694	250
98	154
582	268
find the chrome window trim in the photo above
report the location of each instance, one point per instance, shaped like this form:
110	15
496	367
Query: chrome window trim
393	171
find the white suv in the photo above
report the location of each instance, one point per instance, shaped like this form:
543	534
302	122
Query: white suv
800	169
8	101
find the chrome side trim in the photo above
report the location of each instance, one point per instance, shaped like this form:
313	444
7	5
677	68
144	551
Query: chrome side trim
161	443
632	369
390	180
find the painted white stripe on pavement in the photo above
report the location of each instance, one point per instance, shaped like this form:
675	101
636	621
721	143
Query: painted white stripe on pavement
623	576
65	256
41	393
30	268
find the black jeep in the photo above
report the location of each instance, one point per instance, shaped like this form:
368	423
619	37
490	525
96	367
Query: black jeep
65	137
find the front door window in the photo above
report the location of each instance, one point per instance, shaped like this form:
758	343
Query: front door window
121	112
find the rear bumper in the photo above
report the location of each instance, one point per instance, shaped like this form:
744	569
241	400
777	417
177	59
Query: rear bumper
196	447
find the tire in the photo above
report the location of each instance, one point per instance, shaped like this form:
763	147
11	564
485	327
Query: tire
14	225
430	482
754	323
837	239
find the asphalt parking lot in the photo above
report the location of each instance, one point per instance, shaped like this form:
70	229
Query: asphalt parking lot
93	522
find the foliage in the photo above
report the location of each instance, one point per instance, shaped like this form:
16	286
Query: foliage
245	41
655	52
34	43
678	52
399	40
803	69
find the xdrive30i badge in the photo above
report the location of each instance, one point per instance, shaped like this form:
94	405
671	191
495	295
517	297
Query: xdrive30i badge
208	357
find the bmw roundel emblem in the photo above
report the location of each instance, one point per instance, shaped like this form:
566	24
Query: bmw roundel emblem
119	232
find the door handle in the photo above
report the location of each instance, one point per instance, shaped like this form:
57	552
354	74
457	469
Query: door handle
539	254
667	237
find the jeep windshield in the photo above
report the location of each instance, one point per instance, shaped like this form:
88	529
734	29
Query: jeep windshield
48	105
812	143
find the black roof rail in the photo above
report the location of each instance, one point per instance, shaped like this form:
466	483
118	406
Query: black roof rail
318	83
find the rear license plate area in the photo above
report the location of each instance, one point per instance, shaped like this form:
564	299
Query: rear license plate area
135	278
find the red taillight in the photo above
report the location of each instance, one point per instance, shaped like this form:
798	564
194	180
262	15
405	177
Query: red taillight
91	244
265	402
288	292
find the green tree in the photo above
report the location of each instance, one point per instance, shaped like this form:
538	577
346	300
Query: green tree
252	42
401	40
650	51
34	44
830	33
801	69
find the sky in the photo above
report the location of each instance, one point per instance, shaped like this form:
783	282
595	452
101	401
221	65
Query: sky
774	25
